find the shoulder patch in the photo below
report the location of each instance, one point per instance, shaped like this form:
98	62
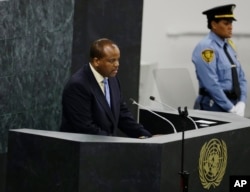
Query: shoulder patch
207	55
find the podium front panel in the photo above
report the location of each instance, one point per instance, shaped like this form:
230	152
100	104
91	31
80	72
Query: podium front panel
55	161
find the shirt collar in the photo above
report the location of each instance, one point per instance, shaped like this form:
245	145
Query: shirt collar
217	39
99	78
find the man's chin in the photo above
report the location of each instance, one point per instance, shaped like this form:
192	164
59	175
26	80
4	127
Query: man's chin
113	74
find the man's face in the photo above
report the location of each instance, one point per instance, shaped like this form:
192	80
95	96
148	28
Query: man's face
108	65
223	28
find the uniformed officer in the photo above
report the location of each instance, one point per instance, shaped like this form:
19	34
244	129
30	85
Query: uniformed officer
215	60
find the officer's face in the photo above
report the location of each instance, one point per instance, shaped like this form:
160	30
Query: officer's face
108	65
223	28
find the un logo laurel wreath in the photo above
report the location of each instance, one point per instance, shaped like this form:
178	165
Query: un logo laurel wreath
212	163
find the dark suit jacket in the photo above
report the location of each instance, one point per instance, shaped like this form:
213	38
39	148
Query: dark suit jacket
85	109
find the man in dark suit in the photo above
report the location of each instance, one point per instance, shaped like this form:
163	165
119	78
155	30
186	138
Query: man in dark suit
85	108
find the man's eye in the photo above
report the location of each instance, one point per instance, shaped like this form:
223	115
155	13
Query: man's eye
112	60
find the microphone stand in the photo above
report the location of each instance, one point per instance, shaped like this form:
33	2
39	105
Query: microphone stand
171	108
184	174
149	110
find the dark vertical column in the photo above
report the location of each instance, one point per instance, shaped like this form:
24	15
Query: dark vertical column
3	162
118	20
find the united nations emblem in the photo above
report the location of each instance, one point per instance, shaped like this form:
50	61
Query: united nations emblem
207	55
212	163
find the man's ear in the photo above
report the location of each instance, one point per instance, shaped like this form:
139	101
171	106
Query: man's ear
95	61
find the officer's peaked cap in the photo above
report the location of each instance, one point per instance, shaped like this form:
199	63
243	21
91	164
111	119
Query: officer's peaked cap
220	12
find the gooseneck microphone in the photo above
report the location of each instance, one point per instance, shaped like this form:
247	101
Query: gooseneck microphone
144	107
169	107
172	108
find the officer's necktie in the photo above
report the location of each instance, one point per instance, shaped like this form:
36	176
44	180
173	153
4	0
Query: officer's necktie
106	90
236	86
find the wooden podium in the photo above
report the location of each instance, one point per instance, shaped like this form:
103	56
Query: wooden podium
40	161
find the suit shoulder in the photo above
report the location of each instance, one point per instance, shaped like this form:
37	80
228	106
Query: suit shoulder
77	80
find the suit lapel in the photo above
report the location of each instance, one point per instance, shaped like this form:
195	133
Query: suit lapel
115	97
96	90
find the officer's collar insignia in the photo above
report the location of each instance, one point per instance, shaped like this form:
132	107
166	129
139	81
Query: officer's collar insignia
231	43
207	55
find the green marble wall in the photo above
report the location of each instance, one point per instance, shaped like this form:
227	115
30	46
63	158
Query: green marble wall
35	58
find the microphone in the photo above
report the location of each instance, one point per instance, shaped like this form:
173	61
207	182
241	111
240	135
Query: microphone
172	108
134	102
153	99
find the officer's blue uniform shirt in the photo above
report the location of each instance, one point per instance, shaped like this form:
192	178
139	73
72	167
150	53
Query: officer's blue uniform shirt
213	70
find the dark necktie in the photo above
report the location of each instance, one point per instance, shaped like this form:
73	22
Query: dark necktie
106	90
236	86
